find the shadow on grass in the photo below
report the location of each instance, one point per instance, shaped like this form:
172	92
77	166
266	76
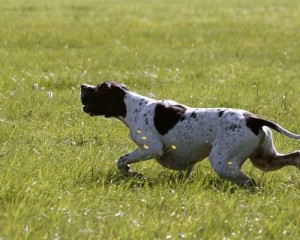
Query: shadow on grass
97	177
168	179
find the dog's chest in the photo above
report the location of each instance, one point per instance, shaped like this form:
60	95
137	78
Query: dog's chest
190	139
175	157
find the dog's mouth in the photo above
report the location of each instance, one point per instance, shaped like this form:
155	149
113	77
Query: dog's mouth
87	110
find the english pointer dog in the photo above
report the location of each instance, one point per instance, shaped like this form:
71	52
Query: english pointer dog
178	136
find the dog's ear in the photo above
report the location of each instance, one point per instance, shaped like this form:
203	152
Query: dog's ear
124	86
103	87
108	85
118	85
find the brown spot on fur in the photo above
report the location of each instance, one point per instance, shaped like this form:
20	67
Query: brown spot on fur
166	116
256	124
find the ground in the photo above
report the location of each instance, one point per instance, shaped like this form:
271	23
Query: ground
58	177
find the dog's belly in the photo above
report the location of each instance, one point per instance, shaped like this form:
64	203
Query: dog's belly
183	157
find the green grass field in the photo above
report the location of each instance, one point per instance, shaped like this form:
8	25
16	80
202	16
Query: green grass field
57	165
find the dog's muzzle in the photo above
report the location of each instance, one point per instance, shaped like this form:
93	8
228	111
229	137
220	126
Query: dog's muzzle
87	110
83	97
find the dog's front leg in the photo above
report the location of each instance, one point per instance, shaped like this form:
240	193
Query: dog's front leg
140	154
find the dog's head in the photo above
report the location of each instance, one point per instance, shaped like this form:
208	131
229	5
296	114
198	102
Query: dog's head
105	99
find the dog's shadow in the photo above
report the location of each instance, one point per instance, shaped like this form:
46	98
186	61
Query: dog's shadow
96	177
169	179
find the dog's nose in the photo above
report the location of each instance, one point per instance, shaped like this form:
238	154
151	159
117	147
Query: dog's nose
83	87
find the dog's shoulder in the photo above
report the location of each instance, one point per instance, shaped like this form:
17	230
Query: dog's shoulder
167	114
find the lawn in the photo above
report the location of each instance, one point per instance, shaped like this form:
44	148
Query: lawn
58	176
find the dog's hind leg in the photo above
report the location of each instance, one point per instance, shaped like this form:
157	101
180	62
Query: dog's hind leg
230	170
267	158
229	167
229	154
276	161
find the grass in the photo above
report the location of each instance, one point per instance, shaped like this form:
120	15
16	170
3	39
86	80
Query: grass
58	177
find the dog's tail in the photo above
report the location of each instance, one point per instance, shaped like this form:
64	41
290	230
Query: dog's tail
256	124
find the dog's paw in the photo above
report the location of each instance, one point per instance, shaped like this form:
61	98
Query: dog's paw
250	183
134	174
123	168
128	172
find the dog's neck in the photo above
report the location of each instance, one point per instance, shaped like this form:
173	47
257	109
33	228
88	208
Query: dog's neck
133	102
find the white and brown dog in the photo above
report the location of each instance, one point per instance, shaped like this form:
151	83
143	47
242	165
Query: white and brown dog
178	136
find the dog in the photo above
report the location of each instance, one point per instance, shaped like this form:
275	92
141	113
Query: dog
178	136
